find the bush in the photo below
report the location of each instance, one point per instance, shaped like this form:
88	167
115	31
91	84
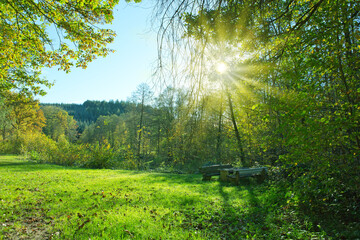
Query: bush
8	147
100	156
38	146
35	156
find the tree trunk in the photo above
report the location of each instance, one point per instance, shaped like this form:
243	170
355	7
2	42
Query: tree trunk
237	134
218	141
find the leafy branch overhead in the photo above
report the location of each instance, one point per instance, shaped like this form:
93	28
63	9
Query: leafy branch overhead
47	33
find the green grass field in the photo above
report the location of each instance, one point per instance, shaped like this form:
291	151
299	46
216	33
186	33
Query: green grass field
40	201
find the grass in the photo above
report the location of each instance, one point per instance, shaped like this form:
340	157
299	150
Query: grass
41	201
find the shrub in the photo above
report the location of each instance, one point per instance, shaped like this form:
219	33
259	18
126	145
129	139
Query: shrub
38	146
7	147
100	156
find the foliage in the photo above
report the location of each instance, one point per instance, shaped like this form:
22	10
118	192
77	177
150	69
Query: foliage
23	113
59	123
42	149
19	115
5	122
105	127
99	156
9	147
90	111
293	81
27	31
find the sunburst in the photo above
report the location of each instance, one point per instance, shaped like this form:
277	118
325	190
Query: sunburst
221	67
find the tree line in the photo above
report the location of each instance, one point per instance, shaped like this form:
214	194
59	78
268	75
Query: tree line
169	131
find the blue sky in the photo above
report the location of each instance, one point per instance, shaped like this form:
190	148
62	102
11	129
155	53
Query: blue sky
117	75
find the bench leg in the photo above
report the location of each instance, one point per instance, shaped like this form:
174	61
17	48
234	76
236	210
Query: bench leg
237	178
261	177
224	176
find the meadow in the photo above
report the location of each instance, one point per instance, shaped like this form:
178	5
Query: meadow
44	201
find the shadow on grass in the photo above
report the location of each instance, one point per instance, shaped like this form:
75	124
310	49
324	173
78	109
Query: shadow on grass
251	216
15	162
10	163
174	178
23	165
239	212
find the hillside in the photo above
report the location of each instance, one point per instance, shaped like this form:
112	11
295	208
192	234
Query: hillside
89	111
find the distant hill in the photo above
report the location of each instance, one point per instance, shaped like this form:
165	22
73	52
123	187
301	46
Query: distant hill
89	111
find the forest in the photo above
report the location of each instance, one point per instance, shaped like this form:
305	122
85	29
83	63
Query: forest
251	83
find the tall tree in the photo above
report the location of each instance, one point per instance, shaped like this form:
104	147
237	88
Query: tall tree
5	122
142	97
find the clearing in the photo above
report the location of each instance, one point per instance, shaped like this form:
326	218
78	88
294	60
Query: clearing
43	201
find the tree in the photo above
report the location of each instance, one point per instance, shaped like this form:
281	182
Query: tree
169	104
59	123
142	97
24	114
5	122
27	29
105	129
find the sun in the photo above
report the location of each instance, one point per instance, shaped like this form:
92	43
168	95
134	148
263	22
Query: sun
221	67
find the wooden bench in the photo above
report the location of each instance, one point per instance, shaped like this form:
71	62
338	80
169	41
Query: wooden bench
212	170
233	175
